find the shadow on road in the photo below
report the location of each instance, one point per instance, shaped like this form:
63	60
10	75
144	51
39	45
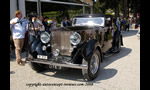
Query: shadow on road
109	73
12	72
76	74
130	33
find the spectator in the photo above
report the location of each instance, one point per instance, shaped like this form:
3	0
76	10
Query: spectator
137	22
33	27
127	24
53	23
114	26
45	23
118	23
40	20
66	22
121	24
124	24
138	33
18	32
130	23
116	32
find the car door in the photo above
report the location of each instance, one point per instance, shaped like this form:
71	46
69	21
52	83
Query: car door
107	34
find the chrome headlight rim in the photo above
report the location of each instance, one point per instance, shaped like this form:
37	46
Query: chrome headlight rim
46	36
75	36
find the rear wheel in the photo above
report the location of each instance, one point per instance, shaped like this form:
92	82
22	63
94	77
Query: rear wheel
93	66
37	67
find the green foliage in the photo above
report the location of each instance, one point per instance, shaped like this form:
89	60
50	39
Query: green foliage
59	15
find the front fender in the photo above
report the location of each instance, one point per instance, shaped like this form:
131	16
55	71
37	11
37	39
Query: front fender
39	48
34	45
89	48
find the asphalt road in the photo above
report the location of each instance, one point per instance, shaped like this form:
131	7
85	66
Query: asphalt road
120	71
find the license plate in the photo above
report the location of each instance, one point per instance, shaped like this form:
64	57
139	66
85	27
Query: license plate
42	57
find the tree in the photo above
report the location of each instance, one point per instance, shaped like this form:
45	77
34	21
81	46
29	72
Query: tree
102	5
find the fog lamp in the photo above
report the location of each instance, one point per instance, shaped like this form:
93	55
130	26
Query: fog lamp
56	52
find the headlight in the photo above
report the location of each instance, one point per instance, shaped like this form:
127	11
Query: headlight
45	37
75	38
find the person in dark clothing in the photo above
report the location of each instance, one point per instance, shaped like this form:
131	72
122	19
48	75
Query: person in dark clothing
45	23
127	24
115	44
137	21
124	24
66	22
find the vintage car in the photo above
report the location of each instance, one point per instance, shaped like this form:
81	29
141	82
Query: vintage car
81	46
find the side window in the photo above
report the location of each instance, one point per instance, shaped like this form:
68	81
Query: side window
108	22
74	21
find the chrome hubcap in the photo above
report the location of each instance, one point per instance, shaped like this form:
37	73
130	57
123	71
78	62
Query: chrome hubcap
94	63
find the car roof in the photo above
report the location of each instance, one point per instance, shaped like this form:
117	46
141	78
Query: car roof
93	15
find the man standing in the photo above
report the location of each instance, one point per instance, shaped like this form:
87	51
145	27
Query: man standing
45	23
124	24
33	27
18	32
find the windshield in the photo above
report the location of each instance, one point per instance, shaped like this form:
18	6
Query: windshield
89	21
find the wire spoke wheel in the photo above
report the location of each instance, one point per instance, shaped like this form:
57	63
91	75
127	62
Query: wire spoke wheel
94	64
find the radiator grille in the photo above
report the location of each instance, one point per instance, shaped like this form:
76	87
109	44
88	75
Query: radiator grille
61	40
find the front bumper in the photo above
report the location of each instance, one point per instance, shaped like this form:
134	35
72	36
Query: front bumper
58	63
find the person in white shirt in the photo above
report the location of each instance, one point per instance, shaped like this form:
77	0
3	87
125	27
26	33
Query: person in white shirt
18	32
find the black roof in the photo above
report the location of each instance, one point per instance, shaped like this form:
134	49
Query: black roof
93	15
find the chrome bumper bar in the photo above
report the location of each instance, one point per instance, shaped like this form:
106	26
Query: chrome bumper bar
54	63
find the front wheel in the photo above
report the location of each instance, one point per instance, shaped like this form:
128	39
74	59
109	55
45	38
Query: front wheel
93	66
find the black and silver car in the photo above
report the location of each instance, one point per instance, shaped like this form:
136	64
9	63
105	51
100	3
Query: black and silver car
81	46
